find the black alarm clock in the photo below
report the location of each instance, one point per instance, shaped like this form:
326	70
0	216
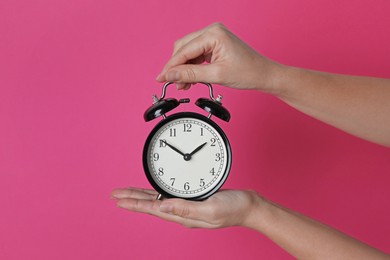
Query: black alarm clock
187	155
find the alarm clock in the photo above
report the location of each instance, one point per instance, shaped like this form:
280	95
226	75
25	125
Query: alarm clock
186	155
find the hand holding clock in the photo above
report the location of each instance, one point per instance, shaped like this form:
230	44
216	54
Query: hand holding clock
327	97
223	209
302	237
215	55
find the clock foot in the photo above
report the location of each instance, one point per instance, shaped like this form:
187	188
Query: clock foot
159	197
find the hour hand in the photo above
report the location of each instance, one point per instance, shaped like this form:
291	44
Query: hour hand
198	148
174	148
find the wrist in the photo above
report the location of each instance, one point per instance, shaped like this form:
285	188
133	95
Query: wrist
279	79
289	82
268	76
259	213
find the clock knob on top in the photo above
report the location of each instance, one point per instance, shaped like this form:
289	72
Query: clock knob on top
213	105
161	106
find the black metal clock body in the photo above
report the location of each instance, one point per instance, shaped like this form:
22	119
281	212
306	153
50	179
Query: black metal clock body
187	155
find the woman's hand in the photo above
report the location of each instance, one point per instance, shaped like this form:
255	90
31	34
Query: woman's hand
302	237
223	209
230	62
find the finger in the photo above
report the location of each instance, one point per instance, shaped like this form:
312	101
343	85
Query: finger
190	73
198	60
189	37
134	193
186	39
150	191
140	205
187	86
194	210
181	86
199	46
152	207
184	86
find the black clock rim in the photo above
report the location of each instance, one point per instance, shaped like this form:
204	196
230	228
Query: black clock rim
174	117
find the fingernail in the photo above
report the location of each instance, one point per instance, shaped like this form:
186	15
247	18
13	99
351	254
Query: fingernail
113	196
166	208
158	78
173	75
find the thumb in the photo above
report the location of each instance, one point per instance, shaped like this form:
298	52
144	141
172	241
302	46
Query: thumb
190	73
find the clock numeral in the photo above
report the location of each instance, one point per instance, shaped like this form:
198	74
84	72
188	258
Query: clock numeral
172	132
160	171
186	186
217	157
202	183
212	171
212	140
187	127
173	181
201	132
163	143
156	156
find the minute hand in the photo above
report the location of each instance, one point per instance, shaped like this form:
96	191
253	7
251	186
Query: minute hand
174	148
198	148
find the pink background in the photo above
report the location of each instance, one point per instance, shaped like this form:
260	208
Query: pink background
76	77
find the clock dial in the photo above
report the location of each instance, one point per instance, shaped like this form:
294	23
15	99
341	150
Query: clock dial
188	156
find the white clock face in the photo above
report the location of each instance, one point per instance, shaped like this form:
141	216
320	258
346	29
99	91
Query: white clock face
188	157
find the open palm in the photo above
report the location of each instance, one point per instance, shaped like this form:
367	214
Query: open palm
223	209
